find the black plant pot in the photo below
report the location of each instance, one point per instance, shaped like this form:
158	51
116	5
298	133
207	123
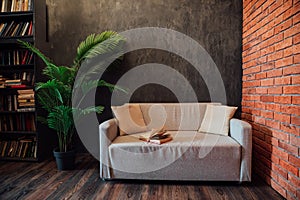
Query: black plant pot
64	160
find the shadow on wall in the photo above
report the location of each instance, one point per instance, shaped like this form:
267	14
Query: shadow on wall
262	151
158	93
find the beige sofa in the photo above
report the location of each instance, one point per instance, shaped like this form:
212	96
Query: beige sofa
190	156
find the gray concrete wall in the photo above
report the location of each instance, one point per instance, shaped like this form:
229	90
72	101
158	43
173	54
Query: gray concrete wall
215	24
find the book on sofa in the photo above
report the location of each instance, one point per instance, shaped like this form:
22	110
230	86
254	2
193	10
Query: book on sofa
156	136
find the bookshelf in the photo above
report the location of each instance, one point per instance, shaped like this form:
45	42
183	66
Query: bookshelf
19	136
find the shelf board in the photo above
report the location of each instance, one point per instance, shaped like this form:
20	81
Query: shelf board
16	14
21	88
16	112
19	159
19	132
16	67
14	40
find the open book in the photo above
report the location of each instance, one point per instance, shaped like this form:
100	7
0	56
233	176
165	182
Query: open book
156	136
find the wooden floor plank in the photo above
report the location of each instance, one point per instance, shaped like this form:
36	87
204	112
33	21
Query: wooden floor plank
88	188
21	180
32	175
42	180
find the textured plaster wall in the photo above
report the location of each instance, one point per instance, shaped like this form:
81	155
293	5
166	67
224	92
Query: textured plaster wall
215	24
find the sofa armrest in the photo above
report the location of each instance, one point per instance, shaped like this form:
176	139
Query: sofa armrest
108	131
241	131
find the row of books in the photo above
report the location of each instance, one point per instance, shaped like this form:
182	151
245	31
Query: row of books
16	5
19	122
26	77
8	103
13	103
26	98
19	103
16	57
19	148
16	29
17	80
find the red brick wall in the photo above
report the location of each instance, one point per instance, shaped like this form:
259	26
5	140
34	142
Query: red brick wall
271	90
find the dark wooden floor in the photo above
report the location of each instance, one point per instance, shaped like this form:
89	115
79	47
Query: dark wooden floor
20	180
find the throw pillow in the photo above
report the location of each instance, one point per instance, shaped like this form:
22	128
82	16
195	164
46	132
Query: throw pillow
216	119
130	118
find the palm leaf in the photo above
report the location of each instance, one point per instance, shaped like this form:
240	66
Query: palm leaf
107	46
41	119
32	48
90	46
78	113
91	71
88	110
62	73
87	86
61	119
46	100
53	87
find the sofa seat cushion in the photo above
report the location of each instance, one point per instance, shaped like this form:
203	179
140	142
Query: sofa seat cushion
190	154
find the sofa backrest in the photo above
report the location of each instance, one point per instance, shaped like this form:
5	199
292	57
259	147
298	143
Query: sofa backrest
174	116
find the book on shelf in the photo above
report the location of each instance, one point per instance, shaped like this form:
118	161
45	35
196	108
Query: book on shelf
18	86
2	27
30	109
26	5
12	82
8	103
16	5
3	148
18	32
28	91
20	122
2	81
26	104
26	98
25	57
13	5
24	29
7	28
4	6
19	5
30	29
16	57
20	79
16	29
156	136
18	148
26	77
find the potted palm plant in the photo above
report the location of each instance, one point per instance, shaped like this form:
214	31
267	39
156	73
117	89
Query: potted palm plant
55	94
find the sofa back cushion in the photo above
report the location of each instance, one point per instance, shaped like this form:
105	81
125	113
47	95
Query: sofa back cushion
130	118
174	116
216	119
